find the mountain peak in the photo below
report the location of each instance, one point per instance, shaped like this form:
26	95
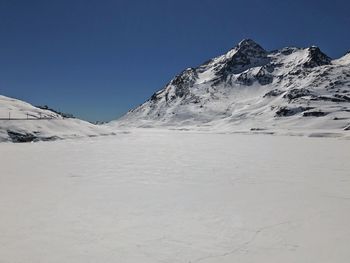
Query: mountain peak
317	58
249	44
246	41
245	55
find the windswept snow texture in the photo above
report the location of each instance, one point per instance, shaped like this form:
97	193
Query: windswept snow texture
251	88
22	122
176	197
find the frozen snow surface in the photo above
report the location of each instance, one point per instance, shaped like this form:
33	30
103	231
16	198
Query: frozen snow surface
249	88
22	122
169	196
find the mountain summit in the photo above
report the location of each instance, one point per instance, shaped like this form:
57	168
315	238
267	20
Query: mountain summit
245	55
250	47
251	88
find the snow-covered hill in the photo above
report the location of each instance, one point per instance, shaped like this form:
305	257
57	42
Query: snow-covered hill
249	88
22	122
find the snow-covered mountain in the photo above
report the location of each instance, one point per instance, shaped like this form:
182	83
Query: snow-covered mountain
22	122
249	88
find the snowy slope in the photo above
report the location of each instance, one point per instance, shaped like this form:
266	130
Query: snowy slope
345	60
250	88
20	121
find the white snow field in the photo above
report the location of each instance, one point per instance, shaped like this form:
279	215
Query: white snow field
170	196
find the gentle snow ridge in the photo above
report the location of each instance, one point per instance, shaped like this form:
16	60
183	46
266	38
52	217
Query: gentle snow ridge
22	122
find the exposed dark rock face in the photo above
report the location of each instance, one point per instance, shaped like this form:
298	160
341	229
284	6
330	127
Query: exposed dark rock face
248	54
264	77
314	114
17	137
184	81
317	58
181	83
288	111
21	137
154	97
245	79
273	93
286	51
345	98
294	94
326	98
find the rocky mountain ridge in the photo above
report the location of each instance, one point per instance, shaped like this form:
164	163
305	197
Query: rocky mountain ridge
249	88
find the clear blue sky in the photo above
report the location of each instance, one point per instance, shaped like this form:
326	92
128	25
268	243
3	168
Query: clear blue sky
99	58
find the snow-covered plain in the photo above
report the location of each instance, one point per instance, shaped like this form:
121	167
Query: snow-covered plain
170	196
